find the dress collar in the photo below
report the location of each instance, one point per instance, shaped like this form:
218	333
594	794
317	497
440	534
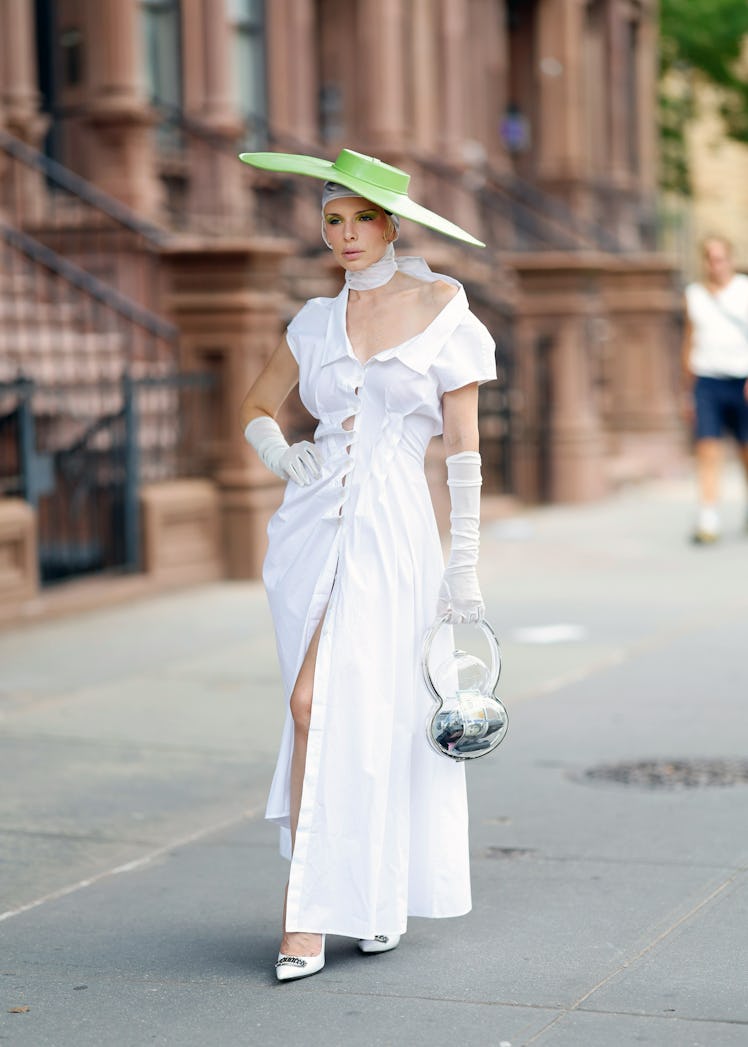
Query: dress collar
418	352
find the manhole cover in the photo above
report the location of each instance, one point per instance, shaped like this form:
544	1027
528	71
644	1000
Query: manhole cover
671	774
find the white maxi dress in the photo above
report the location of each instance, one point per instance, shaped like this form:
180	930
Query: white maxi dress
383	826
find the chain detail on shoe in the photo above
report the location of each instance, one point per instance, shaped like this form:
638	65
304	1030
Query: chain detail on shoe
295	961
379	943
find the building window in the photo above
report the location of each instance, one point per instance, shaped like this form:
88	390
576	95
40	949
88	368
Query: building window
161	32
248	20
71	50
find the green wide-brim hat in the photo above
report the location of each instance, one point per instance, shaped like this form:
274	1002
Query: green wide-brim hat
372	179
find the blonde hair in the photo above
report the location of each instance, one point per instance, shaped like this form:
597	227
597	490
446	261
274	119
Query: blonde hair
717	238
391	230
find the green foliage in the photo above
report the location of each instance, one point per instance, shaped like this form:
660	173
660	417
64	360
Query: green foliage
699	39
675	110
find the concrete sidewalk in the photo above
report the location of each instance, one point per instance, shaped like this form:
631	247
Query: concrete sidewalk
140	888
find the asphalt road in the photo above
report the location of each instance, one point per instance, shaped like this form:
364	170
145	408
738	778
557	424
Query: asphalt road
140	889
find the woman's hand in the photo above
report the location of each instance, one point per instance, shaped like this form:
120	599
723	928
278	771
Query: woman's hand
460	598
301	463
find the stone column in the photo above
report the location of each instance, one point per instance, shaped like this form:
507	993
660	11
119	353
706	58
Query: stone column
218	192
218	108
278	66
642	380
193	56
119	114
646	97
454	54
226	299
19	578
560	144
380	46
22	191
557	300
489	82
423	59
292	39
618	101
18	74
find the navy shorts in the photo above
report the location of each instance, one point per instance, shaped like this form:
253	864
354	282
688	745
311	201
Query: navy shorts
721	408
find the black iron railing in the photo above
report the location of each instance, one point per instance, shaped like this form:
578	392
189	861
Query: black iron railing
85	488
92	405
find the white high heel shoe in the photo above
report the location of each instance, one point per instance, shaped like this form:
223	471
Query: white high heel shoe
380	943
289	967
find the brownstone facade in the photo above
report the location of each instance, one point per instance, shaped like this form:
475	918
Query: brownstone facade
532	123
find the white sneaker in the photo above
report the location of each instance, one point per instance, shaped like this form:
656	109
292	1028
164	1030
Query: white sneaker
289	967
379	943
707	525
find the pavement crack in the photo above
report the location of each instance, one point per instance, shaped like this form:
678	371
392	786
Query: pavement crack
657	940
131	866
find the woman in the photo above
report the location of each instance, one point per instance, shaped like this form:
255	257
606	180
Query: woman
373	820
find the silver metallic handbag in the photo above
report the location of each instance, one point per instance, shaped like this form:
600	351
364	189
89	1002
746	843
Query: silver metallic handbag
470	720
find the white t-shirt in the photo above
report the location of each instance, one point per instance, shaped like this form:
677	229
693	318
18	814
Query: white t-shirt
719	346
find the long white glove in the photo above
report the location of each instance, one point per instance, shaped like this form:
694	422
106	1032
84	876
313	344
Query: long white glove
460	596
300	462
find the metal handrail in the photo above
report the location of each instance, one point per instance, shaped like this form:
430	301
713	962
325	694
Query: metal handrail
66	179
541	217
91	285
555	208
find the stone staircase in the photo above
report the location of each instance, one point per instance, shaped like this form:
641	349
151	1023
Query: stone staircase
77	347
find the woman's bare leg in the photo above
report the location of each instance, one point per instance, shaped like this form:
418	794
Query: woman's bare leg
299	943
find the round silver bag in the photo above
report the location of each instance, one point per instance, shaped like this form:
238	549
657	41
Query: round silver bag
470	720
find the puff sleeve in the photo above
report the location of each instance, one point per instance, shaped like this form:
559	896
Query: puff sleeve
296	330
467	356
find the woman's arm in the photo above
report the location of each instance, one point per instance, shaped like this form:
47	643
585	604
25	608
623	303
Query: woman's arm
271	387
300	462
460	596
460	419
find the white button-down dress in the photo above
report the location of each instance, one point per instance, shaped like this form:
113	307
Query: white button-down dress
383	825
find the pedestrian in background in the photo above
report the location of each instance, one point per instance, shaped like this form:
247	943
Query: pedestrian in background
715	364
373	820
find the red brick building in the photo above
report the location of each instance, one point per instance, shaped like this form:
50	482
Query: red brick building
137	250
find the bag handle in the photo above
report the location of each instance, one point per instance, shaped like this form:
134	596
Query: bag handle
493	646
